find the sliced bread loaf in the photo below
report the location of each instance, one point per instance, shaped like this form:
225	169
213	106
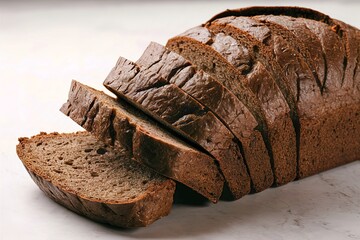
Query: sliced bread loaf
117	122
152	92
96	180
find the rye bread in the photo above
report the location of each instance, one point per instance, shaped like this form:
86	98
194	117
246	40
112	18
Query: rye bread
236	65
214	96
95	180
322	116
153	93
116	122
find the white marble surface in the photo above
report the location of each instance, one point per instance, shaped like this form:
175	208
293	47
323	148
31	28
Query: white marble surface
43	45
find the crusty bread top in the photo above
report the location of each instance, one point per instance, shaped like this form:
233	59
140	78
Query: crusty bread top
77	163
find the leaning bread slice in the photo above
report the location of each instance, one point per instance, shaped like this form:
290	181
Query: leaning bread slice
117	122
95	180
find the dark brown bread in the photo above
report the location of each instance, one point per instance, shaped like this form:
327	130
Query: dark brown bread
273	45
280	49
345	32
351	39
263	77
94	180
289	67
154	94
279	86
116	122
329	126
213	95
236	65
333	69
356	72
302	40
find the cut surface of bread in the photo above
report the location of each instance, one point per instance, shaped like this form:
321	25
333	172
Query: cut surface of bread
96	180
117	122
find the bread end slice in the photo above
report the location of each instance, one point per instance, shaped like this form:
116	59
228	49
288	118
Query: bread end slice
93	180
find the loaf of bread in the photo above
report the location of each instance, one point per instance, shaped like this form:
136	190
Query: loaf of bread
254	98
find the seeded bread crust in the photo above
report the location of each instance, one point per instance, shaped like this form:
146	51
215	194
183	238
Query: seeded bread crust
147	206
154	93
116	122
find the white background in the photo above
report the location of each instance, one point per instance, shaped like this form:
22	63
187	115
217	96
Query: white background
43	45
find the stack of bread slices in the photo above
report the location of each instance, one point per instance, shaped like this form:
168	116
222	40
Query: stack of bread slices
253	98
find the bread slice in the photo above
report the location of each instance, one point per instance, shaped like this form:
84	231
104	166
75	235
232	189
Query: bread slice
152	92
116	122
236	65
96	180
222	102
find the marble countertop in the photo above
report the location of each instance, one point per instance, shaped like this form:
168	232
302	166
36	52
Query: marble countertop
45	44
